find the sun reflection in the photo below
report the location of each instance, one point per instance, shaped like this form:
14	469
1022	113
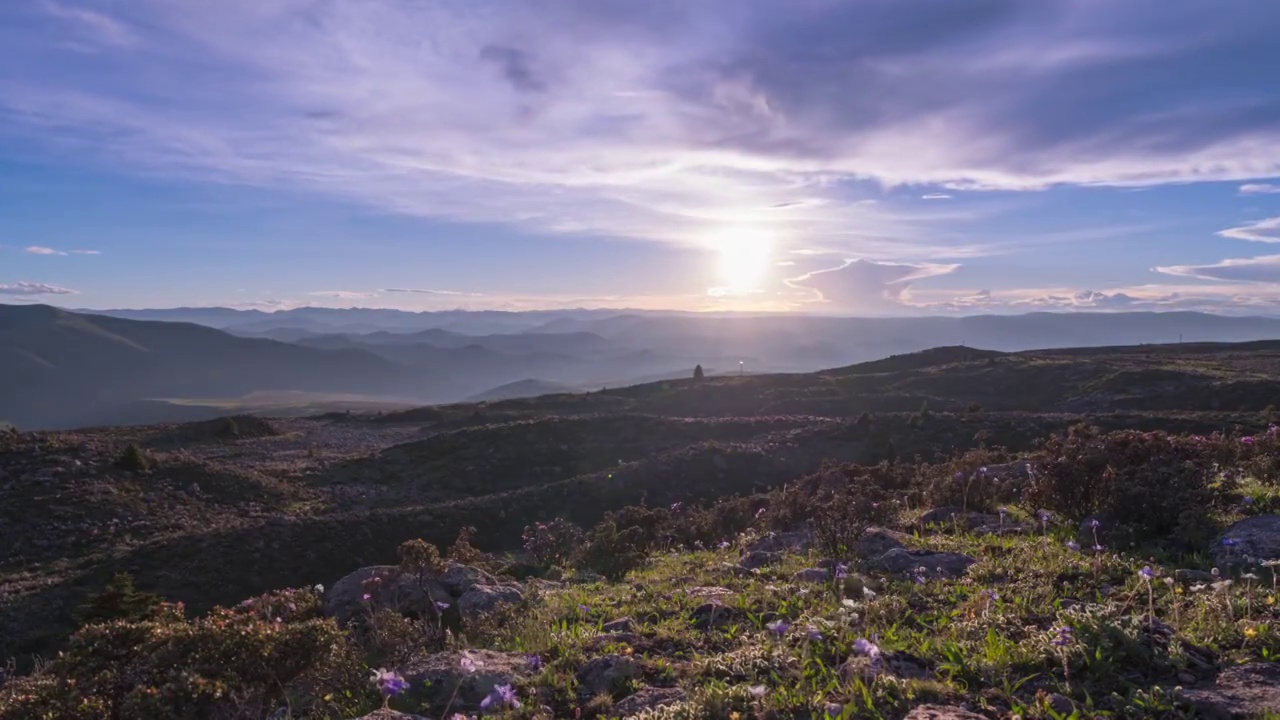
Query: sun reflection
744	259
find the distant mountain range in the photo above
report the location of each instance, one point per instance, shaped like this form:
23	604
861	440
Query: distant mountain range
60	368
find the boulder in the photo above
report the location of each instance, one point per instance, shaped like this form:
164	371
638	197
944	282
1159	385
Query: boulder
646	699
607	674
877	541
1250	541
941	712
481	600
433	678
386	586
758	559
794	541
1240	692
458	579
812	575
621	625
935	564
714	615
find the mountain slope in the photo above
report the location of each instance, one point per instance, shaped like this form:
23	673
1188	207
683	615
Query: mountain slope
57	366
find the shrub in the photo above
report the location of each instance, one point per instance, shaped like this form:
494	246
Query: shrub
611	552
134	460
119	600
553	543
968	481
462	551
697	373
1152	483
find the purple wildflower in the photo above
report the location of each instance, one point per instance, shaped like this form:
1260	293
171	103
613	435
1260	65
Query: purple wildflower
1247	439
535	662
866	648
1094	524
724	545
389	682
1044	515
1073	546
842	571
757	691
760	513
779	627
1099	548
1063	637
583	608
468	663
991	595
834	710
958	476
813	633
1146	573
442	606
366	597
501	696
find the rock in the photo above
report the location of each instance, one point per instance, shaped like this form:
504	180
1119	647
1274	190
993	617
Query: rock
794	541
621	625
877	541
709	591
941	712
714	615
382	714
1191	577
735	570
812	575
936	564
608	674
758	559
484	599
387	587
458	579
1061	704
1250	541
1239	692
432	678
951	514
646	699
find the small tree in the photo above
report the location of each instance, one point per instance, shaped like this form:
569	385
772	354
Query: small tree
134	460
697	373
119	600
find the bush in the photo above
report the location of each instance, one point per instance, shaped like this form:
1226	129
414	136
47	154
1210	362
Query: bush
611	552
462	551
968	481
1152	483
119	600
553	543
134	460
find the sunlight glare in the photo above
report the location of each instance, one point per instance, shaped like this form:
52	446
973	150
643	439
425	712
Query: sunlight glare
744	259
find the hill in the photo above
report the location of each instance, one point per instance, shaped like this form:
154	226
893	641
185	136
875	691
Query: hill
521	389
60	369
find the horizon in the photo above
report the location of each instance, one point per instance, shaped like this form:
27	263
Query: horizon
859	159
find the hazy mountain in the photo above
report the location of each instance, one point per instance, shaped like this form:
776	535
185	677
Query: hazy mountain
59	368
522	389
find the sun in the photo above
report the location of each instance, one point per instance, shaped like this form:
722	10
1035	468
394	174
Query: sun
744	259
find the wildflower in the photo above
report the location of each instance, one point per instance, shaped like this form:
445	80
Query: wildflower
442	606
779	627
834	710
958	476
318	588
1094	524
1271	599
1063	638
991	595
813	633
675	507
1230	542
983	470
759	513
366	597
724	544
1044	516
1073	546
735	715
501	696
866	648
842	571
1251	632
1099	548
389	682
1247	439
757	691
1247	500
1146	573
1198	587
583	608
535	662
468	663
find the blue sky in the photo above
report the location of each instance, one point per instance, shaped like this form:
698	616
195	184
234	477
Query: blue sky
827	156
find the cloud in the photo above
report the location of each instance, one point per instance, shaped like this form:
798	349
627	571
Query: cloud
418	291
935	196
41	250
1264	269
32	288
866	285
1267	231
662	120
1259	189
343	294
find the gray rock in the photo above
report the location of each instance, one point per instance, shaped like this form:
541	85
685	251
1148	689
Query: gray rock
1061	704
709	591
387	588
936	564
941	712
877	541
621	625
458	579
812	575
646	699
759	558
1256	539
735	570
608	674
715	615
1239	692
433	678
794	541
1190	576
481	600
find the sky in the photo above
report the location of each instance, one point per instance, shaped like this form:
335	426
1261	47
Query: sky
854	157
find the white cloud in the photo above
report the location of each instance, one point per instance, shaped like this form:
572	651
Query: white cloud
38	250
1263	269
86	252
1267	231
33	288
662	120
419	291
1259	189
935	196
343	294
866	285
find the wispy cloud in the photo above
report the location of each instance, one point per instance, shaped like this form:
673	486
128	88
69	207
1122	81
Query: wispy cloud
422	291
1259	189
343	294
866	285
662	120
935	196
1267	231
33	288
1263	269
41	250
